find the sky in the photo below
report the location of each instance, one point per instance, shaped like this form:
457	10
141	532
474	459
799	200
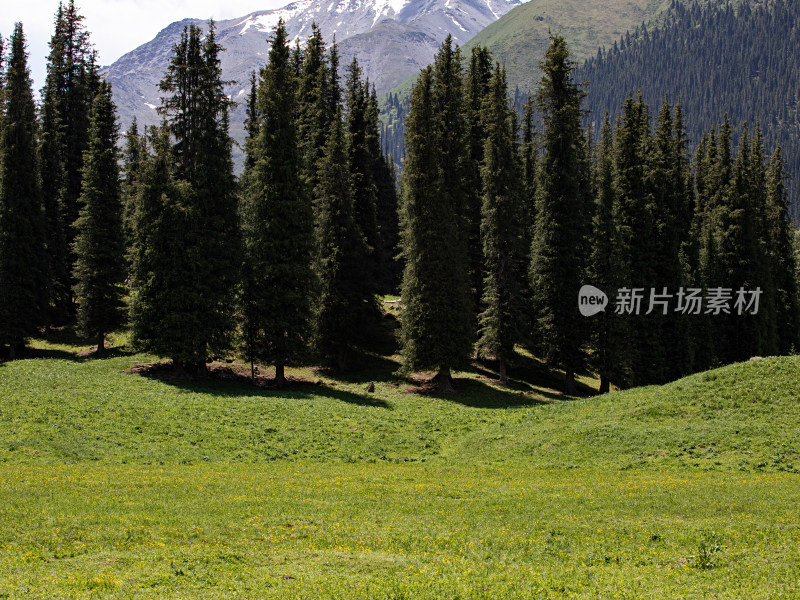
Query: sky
115	26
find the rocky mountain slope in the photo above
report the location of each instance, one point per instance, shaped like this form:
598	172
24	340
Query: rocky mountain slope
391	38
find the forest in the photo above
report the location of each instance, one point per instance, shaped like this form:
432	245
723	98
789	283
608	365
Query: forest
495	224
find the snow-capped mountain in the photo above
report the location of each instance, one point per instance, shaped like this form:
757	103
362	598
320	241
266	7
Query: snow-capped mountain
392	40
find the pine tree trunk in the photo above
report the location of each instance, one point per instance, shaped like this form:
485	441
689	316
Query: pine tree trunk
445	383
341	359
280	378
503	372
570	389
12	352
101	348
605	384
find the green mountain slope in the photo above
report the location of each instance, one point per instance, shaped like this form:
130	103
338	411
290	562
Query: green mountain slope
520	38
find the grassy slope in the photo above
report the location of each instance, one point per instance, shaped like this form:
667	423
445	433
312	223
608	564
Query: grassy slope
519	38
70	410
326	491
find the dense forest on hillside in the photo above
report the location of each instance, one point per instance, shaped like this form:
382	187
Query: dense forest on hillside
716	59
738	59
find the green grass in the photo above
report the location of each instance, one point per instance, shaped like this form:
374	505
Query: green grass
520	38
115	485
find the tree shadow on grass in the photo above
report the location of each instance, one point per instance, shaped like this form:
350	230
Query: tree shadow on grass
478	393
227	382
531	383
365	367
28	353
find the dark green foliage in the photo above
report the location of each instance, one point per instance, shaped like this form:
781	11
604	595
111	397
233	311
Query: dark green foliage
603	271
782	261
67	96
314	98
251	122
737	58
437	330
166	319
133	157
386	215
362	173
559	253
194	243
528	158
502	229
342	307
277	222
667	182
23	264
99	241
476	89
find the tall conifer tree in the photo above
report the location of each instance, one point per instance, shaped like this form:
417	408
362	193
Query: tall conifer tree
99	241
603	270
69	90
559	252
277	223
340	254
438	319
23	265
502	229
196	113
362	173
476	89
779	238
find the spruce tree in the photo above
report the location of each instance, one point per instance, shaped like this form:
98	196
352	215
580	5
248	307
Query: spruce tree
133	157
23	263
437	319
204	218
603	271
559	252
386	209
502	230
528	156
67	96
339	257
637	255
99	241
313	105
665	182
779	238
361	163
164	317
277	223
476	89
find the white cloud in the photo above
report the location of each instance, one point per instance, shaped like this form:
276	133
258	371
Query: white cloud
115	26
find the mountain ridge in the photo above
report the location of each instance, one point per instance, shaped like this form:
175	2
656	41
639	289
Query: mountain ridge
391	39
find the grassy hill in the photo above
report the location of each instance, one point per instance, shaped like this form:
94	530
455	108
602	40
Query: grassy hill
520	38
118	485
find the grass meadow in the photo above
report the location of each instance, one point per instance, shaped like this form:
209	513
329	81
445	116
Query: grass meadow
118	485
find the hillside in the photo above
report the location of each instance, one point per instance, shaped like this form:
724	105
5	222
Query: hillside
738	60
519	40
116	485
744	416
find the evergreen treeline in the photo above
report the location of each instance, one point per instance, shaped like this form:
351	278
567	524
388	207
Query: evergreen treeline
499	224
694	251
287	262
736	58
